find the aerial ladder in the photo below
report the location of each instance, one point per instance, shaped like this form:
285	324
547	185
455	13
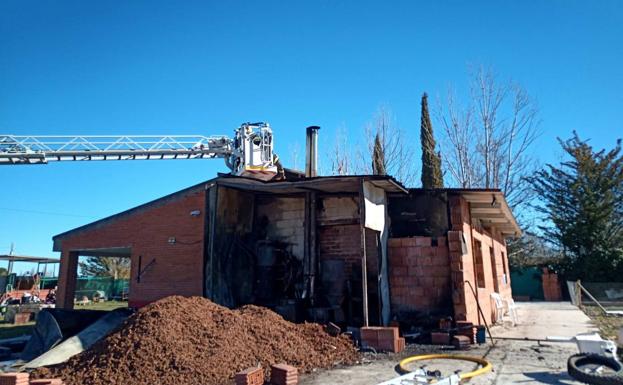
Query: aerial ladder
249	153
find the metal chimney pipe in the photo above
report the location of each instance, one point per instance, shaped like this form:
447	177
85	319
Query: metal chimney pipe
311	152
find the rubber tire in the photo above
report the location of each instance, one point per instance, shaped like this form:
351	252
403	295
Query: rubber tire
580	359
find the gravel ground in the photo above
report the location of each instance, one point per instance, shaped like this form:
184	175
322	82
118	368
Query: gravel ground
514	362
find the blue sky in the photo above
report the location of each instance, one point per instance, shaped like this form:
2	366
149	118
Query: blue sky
165	67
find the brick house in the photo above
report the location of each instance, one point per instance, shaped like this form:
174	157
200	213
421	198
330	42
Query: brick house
353	249
447	252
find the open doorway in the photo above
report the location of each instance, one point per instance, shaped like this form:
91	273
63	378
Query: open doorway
102	279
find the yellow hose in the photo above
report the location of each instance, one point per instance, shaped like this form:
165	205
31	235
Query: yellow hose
486	365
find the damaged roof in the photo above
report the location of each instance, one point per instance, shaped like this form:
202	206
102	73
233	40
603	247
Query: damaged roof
323	184
489	207
486	205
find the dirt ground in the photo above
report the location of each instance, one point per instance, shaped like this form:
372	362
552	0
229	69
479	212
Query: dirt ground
514	362
609	325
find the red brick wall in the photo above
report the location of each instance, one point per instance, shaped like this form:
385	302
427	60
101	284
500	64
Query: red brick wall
419	274
461	242
178	268
341	242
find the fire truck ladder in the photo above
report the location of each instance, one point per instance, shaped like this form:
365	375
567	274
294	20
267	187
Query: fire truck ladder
15	150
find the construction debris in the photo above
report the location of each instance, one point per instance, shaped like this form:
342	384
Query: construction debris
14	378
282	374
51	381
461	342
193	341
250	376
382	338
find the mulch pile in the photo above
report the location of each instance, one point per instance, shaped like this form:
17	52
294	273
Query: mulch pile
193	341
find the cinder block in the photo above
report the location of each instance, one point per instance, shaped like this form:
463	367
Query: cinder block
22	318
423	241
454	246
14	378
282	374
461	342
50	381
250	376
399	271
393	242
440	338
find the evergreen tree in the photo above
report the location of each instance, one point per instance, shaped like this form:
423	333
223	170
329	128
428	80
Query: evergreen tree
378	157
582	200
431	161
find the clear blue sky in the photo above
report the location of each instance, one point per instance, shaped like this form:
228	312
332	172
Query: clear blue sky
137	67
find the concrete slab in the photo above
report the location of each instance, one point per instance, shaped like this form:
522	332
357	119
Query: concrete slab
514	362
538	320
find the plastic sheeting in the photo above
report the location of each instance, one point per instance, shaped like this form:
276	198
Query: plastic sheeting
377	218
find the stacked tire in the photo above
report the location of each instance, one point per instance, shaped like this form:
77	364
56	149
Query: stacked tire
612	377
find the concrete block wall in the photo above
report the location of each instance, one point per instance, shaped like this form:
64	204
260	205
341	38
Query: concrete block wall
338	210
286	221
419	274
178	268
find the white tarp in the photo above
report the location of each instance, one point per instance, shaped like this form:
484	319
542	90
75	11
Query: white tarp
375	207
376	218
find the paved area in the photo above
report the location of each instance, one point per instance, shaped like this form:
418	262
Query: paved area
514	362
539	320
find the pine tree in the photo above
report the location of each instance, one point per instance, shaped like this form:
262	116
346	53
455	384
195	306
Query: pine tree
378	157
431	161
582	201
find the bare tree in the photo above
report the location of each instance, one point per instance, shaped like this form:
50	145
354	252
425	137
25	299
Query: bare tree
398	151
347	157
295	153
115	267
486	142
341	154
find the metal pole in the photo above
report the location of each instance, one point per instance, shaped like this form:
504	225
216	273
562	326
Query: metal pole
480	313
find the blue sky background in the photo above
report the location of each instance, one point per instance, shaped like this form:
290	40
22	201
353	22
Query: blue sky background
165	67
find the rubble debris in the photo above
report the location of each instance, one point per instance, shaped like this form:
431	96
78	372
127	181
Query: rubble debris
332	329
192	341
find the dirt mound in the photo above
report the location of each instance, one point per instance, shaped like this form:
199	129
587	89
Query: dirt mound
190	341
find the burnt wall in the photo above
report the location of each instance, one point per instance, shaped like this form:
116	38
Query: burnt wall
421	213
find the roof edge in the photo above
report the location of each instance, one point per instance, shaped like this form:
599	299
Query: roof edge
58	237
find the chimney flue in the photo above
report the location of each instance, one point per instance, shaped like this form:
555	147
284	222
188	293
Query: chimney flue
311	152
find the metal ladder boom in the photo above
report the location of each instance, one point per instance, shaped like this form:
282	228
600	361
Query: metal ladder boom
43	149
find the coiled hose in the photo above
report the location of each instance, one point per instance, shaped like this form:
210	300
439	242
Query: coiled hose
486	365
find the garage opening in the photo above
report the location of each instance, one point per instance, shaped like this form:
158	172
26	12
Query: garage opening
102	280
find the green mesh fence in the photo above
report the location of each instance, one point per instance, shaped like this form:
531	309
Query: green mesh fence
88	286
112	288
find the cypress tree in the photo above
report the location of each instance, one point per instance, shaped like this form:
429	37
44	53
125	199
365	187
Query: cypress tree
378	157
431	161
